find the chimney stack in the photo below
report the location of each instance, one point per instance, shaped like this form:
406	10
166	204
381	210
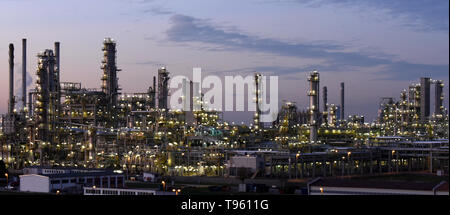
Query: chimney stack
342	101
24	73
57	64
11	79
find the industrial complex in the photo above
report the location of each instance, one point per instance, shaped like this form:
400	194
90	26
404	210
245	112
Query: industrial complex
101	137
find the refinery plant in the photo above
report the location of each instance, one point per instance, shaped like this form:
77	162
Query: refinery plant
63	124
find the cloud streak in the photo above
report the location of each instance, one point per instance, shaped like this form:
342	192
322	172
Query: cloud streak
186	30
420	15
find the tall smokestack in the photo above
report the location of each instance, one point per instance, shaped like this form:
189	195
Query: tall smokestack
24	73
342	101
11	78
57	84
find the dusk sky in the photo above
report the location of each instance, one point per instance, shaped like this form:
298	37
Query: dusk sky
377	47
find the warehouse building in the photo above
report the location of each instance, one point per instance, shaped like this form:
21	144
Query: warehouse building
64	180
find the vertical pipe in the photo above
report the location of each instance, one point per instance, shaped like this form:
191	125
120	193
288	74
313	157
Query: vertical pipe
154	83
30	104
256	118
342	101
57	69
11	78
24	72
438	97
325	105
154	93
57	86
191	96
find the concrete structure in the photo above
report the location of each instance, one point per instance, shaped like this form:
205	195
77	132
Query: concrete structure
321	186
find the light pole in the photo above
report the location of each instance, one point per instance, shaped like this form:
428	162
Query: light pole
176	191
164	185
350	163
296	165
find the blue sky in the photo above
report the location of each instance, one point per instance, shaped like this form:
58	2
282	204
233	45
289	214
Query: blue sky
377	47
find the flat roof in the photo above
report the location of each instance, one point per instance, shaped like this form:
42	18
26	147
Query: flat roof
376	184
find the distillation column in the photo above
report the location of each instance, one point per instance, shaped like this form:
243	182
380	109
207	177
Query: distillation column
110	84
313	94
163	89
258	99
42	112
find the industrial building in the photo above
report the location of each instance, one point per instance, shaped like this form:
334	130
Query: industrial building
320	186
64	124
